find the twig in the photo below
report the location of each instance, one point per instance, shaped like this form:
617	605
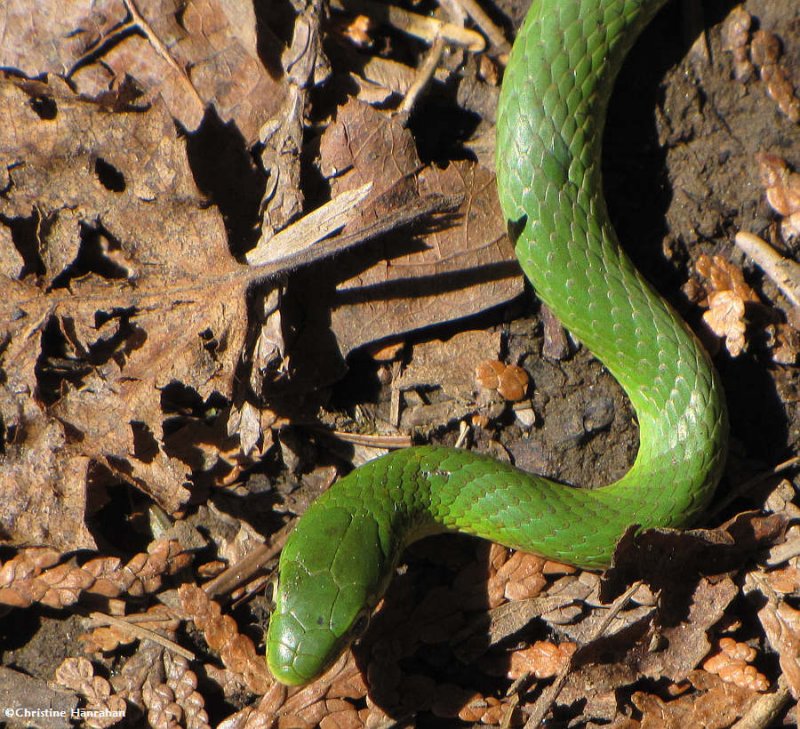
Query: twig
463	434
310	229
783	271
330	247
485	23
141	22
142	633
392	442
237	574
549	696
253	275
424	75
420	26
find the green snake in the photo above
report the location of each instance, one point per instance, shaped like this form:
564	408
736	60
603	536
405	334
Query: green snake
339	559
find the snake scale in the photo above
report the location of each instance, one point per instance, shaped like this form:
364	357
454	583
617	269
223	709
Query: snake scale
338	561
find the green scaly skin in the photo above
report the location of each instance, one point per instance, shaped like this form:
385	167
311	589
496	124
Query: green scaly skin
338	561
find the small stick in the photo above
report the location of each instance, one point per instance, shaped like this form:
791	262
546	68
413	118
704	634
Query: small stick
549	696
420	26
783	271
237	574
389	442
485	23
142	633
315	226
424	75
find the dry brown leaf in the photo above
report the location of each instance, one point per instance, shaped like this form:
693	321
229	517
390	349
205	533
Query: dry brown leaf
716	706
685	633
782	626
404	283
543	659
42	479
364	145
463	268
192	55
135	306
728	293
783	191
785	580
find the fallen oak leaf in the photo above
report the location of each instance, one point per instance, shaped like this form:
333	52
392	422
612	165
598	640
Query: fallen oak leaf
165	301
186	55
673	561
132	329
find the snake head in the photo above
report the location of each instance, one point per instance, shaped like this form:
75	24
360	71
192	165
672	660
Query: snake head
332	572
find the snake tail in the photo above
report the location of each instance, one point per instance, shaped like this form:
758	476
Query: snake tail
339	560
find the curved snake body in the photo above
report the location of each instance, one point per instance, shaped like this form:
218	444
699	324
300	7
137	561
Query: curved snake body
338	561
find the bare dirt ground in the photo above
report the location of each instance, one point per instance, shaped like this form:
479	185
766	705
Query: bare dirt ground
172	398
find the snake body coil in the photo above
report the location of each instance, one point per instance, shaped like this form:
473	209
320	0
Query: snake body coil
338	561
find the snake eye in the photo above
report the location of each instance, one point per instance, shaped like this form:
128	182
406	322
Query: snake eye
272	592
